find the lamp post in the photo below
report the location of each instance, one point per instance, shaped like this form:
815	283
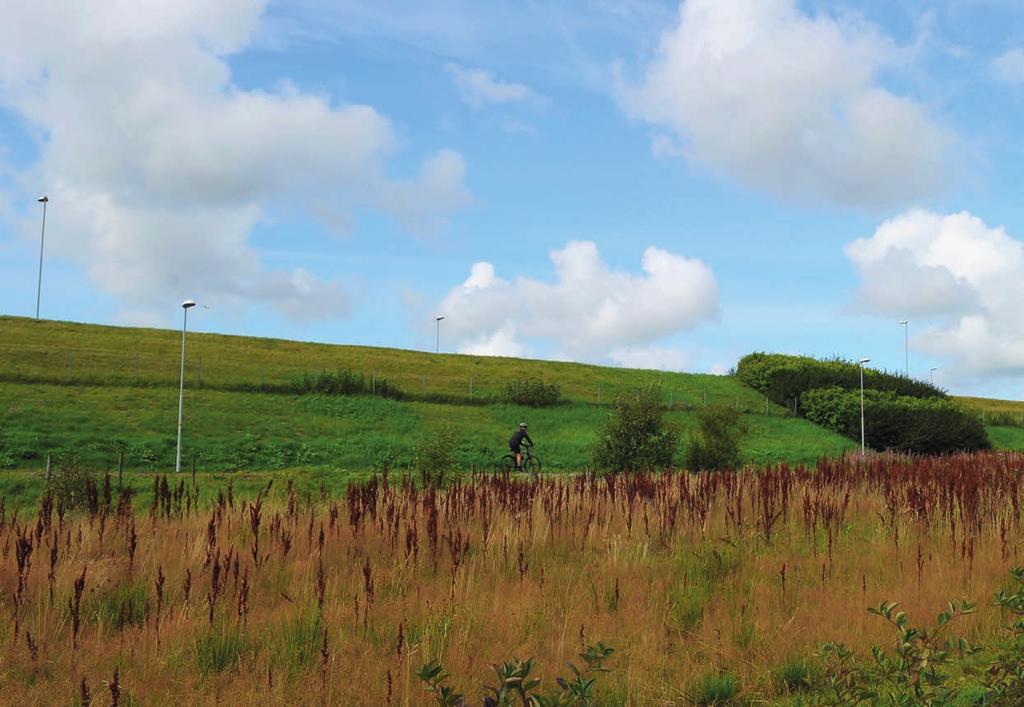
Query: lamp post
931	374
185	306
44	200
437	343
863	439
906	346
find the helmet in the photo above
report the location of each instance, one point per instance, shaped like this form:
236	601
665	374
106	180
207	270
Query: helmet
522	425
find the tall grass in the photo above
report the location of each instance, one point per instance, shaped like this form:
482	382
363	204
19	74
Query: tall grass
712	588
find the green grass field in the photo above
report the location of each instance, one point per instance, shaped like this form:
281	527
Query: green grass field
84	392
70	391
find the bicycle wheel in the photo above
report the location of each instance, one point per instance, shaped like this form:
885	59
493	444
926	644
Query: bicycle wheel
532	465
507	463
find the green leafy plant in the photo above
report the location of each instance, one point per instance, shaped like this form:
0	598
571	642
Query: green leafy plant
717	689
636	437
434	456
716	443
515	686
533	393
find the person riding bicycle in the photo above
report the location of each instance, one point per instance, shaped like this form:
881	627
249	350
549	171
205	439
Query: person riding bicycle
518	441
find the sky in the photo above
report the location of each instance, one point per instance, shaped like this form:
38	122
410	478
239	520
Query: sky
640	183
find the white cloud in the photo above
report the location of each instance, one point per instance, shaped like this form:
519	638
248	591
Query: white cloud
589	311
159	166
789	103
1009	66
962	278
661	358
479	88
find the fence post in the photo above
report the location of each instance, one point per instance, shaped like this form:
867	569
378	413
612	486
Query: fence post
120	468
49	470
193	469
136	366
471	388
373	382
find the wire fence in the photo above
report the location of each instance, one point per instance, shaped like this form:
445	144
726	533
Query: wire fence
244	372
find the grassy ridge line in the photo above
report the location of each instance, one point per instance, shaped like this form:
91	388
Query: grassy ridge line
230	430
50	351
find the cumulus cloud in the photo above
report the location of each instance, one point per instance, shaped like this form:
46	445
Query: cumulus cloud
590	310
661	358
789	103
479	88
159	166
1009	66
963	278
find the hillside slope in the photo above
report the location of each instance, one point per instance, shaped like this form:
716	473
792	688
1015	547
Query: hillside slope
85	391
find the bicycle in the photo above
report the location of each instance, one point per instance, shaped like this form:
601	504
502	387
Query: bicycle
531	464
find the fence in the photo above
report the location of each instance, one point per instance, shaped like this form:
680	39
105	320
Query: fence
240	372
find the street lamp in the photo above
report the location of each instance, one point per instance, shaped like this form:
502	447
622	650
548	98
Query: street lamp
44	200
863	442
931	374
185	306
437	345
906	346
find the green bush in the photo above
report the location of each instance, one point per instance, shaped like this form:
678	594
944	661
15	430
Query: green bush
341	382
636	436
434	456
533	393
73	486
897	422
716	443
785	379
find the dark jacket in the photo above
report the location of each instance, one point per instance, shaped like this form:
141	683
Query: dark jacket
517	439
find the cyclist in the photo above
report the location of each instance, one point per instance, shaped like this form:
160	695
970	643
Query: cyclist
519	438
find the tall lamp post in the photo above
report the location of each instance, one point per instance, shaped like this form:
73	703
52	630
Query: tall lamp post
437	342
186	305
906	346
863	438
44	200
931	374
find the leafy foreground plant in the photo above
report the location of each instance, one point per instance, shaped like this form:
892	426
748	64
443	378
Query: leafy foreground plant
918	671
515	686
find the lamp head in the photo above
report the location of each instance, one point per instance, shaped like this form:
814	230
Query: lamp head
187	304
903	321
43	199
864	360
438	318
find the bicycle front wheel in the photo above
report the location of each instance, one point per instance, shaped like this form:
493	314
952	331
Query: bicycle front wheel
532	465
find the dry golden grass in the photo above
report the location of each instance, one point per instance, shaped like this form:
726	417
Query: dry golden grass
683	575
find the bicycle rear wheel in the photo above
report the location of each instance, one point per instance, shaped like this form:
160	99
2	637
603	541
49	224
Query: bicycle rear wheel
507	463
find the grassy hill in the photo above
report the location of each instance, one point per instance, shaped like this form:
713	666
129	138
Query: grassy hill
85	391
1004	420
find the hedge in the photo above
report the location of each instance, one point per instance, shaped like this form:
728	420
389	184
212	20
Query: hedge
897	422
785	379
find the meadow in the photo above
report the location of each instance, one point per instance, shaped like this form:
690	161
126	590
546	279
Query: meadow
710	588
88	393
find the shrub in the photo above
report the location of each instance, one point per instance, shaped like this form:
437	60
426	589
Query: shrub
636	435
342	382
434	456
533	393
74	486
716	443
896	422
785	379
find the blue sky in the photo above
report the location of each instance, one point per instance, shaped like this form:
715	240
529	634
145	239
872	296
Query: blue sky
638	183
